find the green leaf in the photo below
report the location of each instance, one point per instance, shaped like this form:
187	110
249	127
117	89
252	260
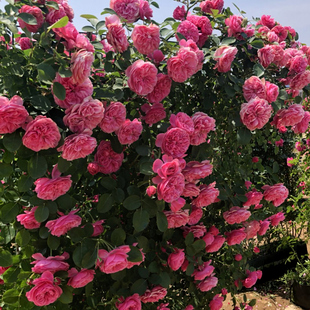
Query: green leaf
46	73
140	220
199	245
132	202
53	242
5	170
146	167
66	202
53	5
155	4
258	70
257	43
143	272
143	150
11	275
40	103
85	255
139	287
7	234
64	73
100	25
118	236
11	296
89	29
66	297
6	258
105	203
244	136
118	195
42	213
59	91
37	166
161	221
25	183
88	16
228	40
108	11
63	165
12	141
60	23
108	183
181	36
164	279
275	167
23	237
189	239
134	255
8	212
28	18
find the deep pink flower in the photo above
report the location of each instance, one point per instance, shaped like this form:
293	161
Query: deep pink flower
266	20
171	188
114	117
238	257
216	303
207	196
98	228
203	124
188	30
275	219
81	278
81	63
207	284
216	244
235	236
183	121
145	10
177	219
116	35
161	89
64	223
128	9
176	259
303	125
153	113
197	230
129	131
234	25
236	215
208	5
45	291
142	77
264	226
266	55
36	13
179	13
254	87
51	263
253	198
203	271
130	303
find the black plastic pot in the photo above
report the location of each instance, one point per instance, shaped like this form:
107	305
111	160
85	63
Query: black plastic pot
301	294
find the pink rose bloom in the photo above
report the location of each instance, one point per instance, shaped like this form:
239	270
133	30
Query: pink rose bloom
145	38
167	168
129	131
142	77
163	307
24	43
36	13
266	20
208	5
280	57
161	89
195	170
195	215
236	215
194	48
208	238
215	245
177	219
247	184
255	114
75	93
28	219
69	33
234	25
188	30
108	161
279	143
183	121
303	125
176	259
130	303
64	223
253	276
171	188
207	284
203	271
253	198
145	10
264	226
151	191
276	218
190	190
300	81
197	230
77	146
280	31
299	146
13	114
224	56
255	159
80	279
256	250
174	142
202	23
251	229
114	117
84	117
297	64
54	15
208	195
44	292
116	35
182	66
277	193
272	92
81	63
189	307
113	261
153	113
216	303
179	13
98	228
127	9
254	87
41	134
235	236
272	37
266	55
288	161
238	257
51	263
157	57
155	294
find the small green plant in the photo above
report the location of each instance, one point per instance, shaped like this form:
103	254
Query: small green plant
300	275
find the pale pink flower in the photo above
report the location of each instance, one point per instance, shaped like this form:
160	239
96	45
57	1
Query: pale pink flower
153	295
64	223
51	263
277	193
208	5
142	77
301	80
251	228
288	117
145	38
177	219
254	87
224	56
131	302
272	92
127	9
234	25
114	117
236	215
303	125
264	226
116	35
195	215
81	63
203	124
80	278
145	11
129	131
207	284
28	220
197	230
280	31
266	55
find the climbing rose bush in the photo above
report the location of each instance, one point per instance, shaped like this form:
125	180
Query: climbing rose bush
135	169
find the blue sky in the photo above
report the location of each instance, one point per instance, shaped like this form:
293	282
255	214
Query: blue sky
286	12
